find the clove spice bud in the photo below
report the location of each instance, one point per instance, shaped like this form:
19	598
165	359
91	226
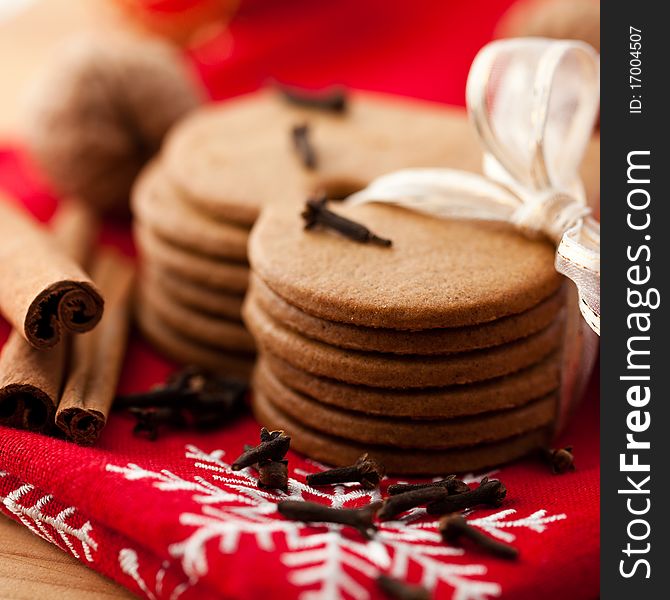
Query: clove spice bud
303	145
454	527
333	99
561	460
311	512
394	505
149	420
274	446
450	483
316	213
266	436
399	590
190	398
365	471
191	384
490	492
273	474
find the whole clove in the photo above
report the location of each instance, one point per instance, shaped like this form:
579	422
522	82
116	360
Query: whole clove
303	145
333	99
191	398
162	395
317	213
273	474
273	447
451	483
149	419
266	436
311	512
365	471
561	460
490	492
191	385
395	505
399	590
454	527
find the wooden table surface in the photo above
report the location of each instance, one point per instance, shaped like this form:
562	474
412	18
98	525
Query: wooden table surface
31	569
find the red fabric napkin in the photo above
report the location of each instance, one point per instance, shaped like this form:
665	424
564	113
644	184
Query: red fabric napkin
169	519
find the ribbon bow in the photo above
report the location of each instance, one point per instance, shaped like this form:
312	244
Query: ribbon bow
533	102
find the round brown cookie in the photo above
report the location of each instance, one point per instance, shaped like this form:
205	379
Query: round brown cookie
336	451
187	352
501	393
217	333
233	158
405	433
198	268
427	341
158	205
197	297
389	370
438	273
214	154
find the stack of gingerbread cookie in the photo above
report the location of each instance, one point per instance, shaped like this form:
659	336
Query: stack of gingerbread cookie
439	353
194	206
194	276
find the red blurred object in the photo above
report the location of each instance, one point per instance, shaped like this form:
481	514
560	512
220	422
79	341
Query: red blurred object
182	21
168	518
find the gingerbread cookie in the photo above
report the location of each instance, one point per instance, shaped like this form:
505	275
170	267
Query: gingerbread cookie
217	333
158	206
197	297
388	370
198	268
233	158
509	391
438	273
428	341
404	433
340	452
183	350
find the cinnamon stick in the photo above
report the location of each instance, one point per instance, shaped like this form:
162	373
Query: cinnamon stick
97	356
31	379
30	383
43	292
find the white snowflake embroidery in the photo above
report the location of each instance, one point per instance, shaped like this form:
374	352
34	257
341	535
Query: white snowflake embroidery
232	506
54	529
130	564
495	524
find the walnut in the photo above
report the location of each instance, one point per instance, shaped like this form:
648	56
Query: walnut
100	112
560	19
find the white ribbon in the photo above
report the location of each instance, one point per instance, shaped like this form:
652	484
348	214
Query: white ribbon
533	102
